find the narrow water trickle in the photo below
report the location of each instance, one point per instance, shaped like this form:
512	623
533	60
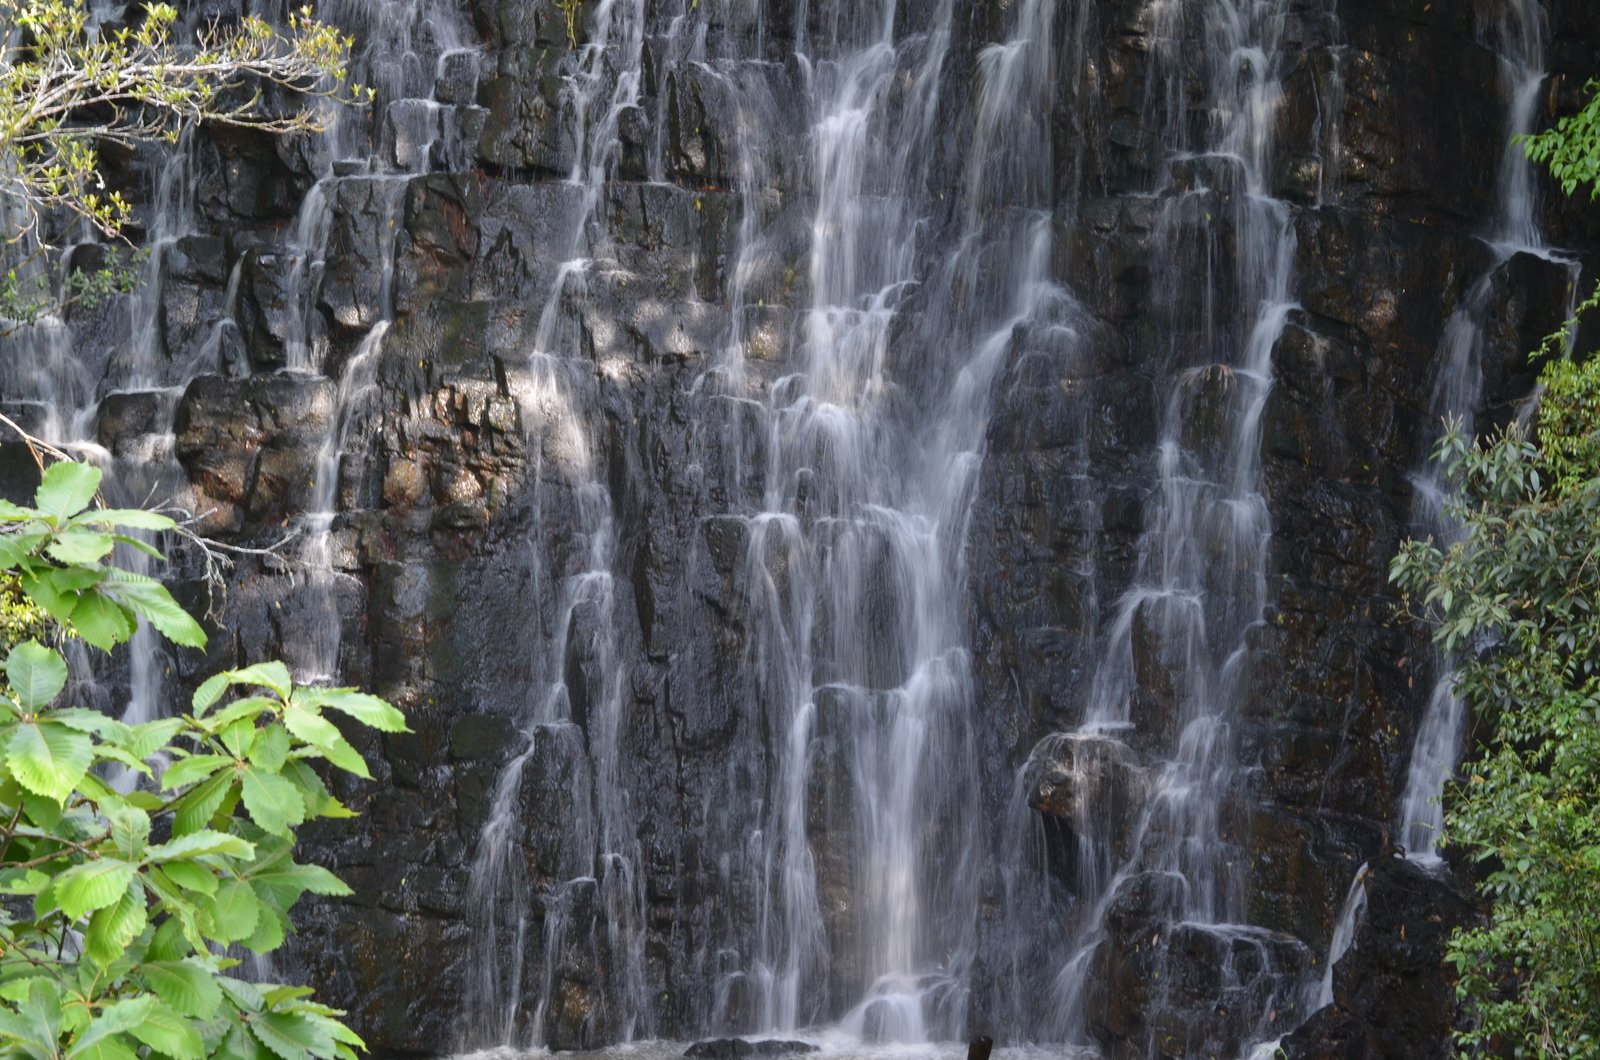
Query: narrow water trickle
1518	38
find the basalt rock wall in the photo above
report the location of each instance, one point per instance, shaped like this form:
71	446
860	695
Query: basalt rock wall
461	517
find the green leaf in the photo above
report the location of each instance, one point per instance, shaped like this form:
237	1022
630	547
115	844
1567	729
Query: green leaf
48	759
273	675
76	547
300	878
101	621
15	547
36	674
191	876
130	830
166	1032
270	933
92	885
66	488
200	803
326	738
131	518
209	692
369	710
146	738
270	749
233	911
112	928
150	600
189	770
188	988
290	1036
109	1021
202	843
274	803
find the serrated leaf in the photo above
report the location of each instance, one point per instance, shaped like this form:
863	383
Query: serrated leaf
109	1022
130	830
36	675
101	621
273	675
233	911
48	759
274	803
300	878
15	547
270	749
185	771
146	738
151	601
66	488
191	876
112	928
131	518
270	933
200	843
326	738
209	692
75	547
369	710
92	885
188	988
194	811
290	1036
248	709
165	1031
245	996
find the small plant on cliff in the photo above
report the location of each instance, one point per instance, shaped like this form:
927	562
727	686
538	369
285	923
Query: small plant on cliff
132	855
68	88
1517	598
1570	148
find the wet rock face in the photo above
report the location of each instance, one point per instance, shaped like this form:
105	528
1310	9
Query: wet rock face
459	524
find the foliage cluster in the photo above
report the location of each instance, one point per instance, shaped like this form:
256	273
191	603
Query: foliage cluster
133	855
1517	599
1570	148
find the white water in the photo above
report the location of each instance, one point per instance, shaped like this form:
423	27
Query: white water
1519	39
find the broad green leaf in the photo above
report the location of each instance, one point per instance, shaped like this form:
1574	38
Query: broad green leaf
271	930
191	876
74	547
130	830
188	988
298	878
247	709
185	771
36	674
131	518
92	885
150	600
109	1022
101	621
199	804
273	675
165	1031
208	693
274	803
48	759
200	844
45	589
112	928
66	488
326	738
244	995
15	547
369	710
270	749
233	911
86	720
238	737
146	738
290	1036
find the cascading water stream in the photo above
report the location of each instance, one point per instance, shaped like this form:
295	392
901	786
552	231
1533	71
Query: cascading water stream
1519	40
1175	665
603	858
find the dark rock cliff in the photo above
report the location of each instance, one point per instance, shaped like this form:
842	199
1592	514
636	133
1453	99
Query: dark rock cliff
457	515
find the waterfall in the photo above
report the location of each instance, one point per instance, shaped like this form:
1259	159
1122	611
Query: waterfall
581	668
1175	664
1519	40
